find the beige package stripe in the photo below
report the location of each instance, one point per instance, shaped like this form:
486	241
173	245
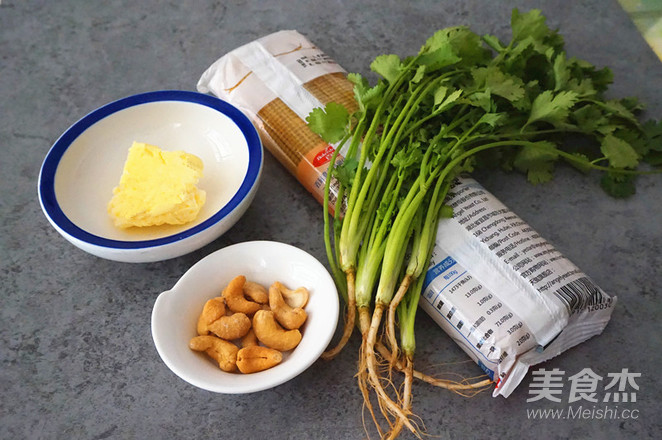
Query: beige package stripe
333	87
290	132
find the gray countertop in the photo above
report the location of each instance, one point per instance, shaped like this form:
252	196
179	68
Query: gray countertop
77	355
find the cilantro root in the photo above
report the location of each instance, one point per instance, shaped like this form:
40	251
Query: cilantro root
463	102
350	319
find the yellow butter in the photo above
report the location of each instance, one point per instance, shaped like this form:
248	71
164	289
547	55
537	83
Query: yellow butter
157	187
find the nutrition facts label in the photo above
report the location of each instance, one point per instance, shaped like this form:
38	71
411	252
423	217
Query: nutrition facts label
475	317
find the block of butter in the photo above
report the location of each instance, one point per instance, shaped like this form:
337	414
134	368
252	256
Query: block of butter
157	187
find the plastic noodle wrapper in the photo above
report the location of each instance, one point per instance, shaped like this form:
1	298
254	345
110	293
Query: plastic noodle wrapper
277	81
500	290
504	293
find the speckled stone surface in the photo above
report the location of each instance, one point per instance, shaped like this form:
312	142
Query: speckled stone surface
77	358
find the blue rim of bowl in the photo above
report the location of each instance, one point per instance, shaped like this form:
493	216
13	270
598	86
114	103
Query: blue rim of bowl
49	167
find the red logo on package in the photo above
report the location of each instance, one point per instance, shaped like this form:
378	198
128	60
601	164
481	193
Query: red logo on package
323	156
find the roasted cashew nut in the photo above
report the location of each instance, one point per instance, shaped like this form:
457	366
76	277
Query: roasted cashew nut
231	327
234	297
212	311
271	334
256	292
223	352
294	298
257	358
249	339
288	317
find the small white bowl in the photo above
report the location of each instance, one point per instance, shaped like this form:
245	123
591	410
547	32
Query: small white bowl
84	165
176	313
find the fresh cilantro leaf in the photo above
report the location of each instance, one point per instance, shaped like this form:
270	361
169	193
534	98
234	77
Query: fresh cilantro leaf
357	79
582	86
617	107
552	108
492	119
388	66
561	72
468	166
366	96
330	123
482	99
632	103
601	78
346	171
494	43
619	153
608	128
446	211
454	45
439	58
468	46
440	94
442	101
636	138
528	44
555	40
454	37
541	172
653	158
537	161
499	83
652	131
530	24
407	157
582	164
618	185
419	75
589	117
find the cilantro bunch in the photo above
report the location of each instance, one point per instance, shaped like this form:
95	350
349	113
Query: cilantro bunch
463	102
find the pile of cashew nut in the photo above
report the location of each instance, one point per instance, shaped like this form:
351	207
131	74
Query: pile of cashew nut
262	323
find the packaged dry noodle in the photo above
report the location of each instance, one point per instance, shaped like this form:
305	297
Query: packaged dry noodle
502	292
277	81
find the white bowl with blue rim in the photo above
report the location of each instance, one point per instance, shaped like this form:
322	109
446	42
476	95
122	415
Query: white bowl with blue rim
81	169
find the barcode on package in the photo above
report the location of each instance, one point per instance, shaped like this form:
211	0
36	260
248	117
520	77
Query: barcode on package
579	294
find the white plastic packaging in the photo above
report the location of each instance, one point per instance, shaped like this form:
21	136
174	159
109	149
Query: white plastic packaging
277	81
505	294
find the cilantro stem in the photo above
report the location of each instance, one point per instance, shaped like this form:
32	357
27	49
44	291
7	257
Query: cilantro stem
338	275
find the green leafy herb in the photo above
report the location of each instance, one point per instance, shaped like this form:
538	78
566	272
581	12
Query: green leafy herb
551	107
619	153
331	121
618	185
464	101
